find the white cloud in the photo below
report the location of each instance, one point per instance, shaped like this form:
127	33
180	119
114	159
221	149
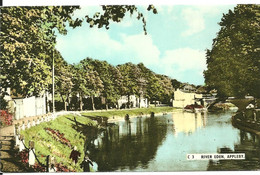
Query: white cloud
98	44
194	20
141	48
86	43
195	17
185	58
179	64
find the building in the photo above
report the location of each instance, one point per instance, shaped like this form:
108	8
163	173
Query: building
134	102
182	99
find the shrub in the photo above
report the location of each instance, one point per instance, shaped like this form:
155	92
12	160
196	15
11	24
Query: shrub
6	118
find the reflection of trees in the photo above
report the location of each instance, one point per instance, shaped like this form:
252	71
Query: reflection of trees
133	144
250	145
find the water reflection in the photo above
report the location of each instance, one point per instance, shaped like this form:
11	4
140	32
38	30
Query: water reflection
250	145
188	122
129	144
161	143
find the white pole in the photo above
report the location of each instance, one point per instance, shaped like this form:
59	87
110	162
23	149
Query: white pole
53	100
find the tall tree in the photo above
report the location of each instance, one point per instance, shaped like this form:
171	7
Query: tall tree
63	80
94	82
107	75
27	45
28	39
130	74
79	80
233	62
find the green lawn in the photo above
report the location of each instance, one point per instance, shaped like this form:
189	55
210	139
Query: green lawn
130	112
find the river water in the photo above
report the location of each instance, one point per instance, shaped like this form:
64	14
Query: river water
161	143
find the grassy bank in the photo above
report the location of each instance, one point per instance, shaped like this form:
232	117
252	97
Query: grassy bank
46	144
73	133
130	112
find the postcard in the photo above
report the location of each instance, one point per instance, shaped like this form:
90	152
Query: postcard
130	88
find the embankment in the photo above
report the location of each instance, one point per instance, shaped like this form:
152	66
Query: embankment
57	138
248	120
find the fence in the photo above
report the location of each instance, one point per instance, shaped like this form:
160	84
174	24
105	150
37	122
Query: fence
20	142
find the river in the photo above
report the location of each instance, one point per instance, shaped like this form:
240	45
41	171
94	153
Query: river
161	143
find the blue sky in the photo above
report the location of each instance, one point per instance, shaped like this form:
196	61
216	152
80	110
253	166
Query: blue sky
175	44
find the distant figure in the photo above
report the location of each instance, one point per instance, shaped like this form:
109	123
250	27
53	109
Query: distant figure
21	144
126	117
85	164
52	169
74	155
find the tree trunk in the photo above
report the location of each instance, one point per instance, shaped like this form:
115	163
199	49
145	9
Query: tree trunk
128	101
118	107
140	102
64	101
106	103
68	102
80	103
93	105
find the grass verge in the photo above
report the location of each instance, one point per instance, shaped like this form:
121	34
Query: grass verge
130	112
45	144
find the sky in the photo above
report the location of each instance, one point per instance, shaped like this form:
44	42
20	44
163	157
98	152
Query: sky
175	45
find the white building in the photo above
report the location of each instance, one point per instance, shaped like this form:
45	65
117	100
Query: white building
182	99
134	102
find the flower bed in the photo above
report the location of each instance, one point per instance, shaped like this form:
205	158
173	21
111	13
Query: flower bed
38	168
24	155
58	136
6	118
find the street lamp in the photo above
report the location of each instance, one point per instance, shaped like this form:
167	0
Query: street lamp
53	100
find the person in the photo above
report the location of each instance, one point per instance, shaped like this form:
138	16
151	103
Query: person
31	156
85	164
74	155
52	169
21	144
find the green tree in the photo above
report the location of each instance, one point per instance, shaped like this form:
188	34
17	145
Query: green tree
27	43
176	84
63	80
28	39
79	80
107	75
233	62
94	83
167	88
130	74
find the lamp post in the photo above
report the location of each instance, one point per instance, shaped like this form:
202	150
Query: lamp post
53	100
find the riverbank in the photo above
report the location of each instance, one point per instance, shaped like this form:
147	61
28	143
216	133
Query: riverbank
248	120
115	115
57	138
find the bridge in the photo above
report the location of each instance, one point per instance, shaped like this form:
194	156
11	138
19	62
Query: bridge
242	103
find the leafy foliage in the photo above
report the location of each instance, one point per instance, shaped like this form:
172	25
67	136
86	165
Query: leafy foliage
233	62
28	39
27	43
116	13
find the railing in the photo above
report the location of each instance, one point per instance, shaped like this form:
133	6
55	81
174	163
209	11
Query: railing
19	140
33	121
